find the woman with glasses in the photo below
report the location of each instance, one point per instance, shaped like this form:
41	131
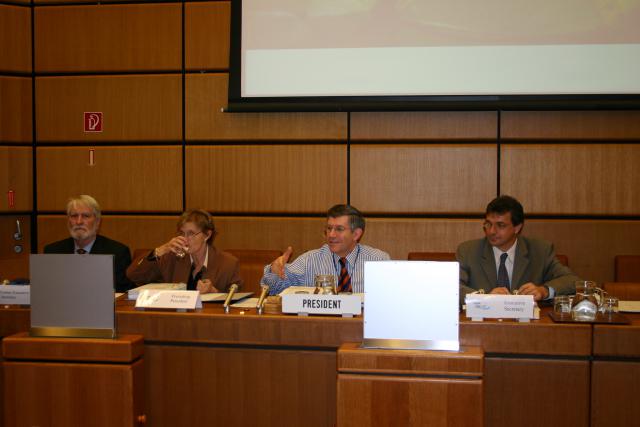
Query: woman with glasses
190	258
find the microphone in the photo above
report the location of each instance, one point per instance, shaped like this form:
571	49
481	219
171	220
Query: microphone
232	290
263	295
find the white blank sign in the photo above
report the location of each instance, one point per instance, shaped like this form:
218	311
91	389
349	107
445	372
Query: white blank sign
411	304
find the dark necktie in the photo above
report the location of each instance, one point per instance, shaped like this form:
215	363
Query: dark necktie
345	279
80	251
503	276
192	283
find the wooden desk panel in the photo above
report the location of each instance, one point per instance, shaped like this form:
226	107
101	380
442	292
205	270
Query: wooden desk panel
615	383
85	394
354	359
615	387
536	392
373	400
124	349
618	340
546	360
14	319
65	382
236	386
212	326
409	387
539	337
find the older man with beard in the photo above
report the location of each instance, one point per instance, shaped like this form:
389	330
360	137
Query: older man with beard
83	215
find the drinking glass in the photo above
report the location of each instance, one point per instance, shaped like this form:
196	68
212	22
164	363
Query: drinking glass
562	304
325	284
609	305
181	252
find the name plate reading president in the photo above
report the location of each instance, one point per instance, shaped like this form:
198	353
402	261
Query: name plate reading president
171	300
344	305
15	294
480	306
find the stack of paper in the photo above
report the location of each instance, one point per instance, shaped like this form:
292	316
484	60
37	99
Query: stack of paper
133	293
629	306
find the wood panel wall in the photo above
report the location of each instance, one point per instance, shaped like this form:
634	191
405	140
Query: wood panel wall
16	176
439	178
269	178
15	38
15	110
145	178
134	107
206	98
145	37
158	71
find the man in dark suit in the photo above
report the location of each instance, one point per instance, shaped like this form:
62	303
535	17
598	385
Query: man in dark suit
83	213
504	261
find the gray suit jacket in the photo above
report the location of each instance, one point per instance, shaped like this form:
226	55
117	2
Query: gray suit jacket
535	261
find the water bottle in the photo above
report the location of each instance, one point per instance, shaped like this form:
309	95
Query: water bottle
584	306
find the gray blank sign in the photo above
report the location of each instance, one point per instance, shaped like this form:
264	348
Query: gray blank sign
72	292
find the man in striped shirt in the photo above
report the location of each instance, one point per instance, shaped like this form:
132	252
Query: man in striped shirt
342	256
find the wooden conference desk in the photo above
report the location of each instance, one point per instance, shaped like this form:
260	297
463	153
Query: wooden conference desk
208	368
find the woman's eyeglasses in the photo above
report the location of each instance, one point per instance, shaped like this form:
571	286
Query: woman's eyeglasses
189	234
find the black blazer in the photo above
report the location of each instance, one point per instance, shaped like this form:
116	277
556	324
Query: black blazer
102	246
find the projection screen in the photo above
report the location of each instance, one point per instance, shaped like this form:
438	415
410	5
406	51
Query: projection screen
462	53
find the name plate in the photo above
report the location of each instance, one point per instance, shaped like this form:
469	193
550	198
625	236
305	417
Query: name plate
172	300
15	294
344	305
480	306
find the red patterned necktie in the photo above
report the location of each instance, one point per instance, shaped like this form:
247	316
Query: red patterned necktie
345	279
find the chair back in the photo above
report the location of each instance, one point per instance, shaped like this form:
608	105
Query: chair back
627	268
252	262
451	256
564	260
626	291
431	256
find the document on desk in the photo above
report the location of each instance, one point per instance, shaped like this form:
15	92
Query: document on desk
246	303
221	296
629	306
132	294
